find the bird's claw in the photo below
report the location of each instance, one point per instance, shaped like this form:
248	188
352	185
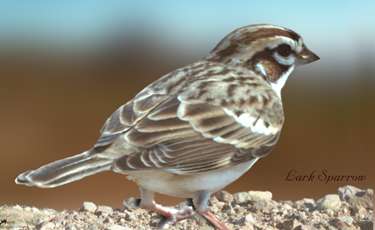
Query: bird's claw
174	215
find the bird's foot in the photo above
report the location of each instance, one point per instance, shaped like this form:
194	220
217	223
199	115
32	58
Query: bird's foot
209	216
172	215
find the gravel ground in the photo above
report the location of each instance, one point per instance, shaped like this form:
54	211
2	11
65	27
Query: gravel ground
350	208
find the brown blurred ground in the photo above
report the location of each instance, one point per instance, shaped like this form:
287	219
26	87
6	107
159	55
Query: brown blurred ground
54	106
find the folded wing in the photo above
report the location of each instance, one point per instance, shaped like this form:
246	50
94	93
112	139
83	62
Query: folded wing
191	131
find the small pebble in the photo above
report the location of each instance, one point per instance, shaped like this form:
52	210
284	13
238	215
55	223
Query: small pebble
117	227
70	227
224	196
309	203
249	218
104	210
259	195
288	224
361	212
241	197
329	202
47	226
131	203
88	206
256	196
366	225
346	219
356	197
339	224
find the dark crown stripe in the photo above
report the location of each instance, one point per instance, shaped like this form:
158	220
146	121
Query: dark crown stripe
241	36
265	33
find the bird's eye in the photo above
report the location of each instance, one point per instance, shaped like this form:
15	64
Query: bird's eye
284	50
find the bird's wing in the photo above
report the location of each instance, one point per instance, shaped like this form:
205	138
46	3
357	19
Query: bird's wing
128	115
216	121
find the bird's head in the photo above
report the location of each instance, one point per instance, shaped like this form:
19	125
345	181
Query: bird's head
272	51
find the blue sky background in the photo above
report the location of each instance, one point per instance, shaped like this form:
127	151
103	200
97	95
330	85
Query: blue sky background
54	106
336	29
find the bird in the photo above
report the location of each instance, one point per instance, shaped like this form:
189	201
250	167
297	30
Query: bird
196	129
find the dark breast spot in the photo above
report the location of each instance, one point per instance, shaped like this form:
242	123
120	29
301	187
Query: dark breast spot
231	90
229	79
242	102
203	85
223	103
265	100
252	100
201	92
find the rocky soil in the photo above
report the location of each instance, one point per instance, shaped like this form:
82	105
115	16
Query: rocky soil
350	208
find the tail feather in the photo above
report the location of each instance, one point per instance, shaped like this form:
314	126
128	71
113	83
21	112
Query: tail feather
64	171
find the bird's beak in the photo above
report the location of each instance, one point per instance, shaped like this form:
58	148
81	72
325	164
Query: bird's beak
306	56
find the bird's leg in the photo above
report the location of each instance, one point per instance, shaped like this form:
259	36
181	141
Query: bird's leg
201	206
214	220
171	215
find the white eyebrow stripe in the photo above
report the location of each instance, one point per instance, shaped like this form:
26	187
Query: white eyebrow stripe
299	45
271	43
284	60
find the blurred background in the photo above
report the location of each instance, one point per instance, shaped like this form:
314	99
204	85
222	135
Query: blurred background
65	66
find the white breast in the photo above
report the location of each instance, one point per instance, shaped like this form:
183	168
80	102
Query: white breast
186	186
279	84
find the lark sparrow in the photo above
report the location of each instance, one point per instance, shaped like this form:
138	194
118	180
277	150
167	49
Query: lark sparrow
196	129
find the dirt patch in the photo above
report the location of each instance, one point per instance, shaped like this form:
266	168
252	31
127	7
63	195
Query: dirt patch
350	208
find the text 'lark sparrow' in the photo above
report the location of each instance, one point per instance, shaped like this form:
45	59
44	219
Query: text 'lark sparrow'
196	129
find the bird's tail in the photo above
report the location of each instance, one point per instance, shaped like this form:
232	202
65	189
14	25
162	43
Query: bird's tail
65	170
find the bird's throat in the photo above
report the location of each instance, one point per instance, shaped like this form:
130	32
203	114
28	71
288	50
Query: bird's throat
274	73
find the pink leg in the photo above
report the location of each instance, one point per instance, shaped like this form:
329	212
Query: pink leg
200	202
214	220
172	215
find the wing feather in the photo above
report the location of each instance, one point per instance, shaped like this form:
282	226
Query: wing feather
195	127
205	138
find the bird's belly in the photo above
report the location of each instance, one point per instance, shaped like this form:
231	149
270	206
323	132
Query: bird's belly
186	186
